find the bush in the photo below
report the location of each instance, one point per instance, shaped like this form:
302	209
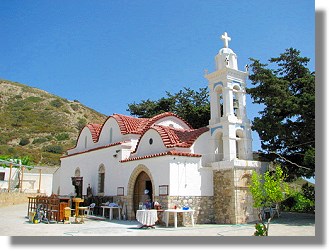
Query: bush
56	103
62	136
53	149
75	107
297	202
302	204
4	139
81	123
39	140
24	142
260	230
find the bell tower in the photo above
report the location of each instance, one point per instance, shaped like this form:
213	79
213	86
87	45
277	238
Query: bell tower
230	154
230	128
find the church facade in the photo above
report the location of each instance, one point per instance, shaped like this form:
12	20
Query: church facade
164	159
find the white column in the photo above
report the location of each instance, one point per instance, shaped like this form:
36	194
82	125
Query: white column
215	107
228	101
229	143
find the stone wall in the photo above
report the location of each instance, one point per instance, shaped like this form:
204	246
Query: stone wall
224	197
203	206
233	202
14	198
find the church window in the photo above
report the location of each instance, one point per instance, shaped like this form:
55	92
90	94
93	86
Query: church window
151	141
2	176
85	141
101	179
77	172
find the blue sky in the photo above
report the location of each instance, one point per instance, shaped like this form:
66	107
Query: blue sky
107	54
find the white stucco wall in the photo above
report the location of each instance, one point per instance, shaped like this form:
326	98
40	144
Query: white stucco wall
183	175
106	134
88	164
173	122
203	145
145	148
188	178
84	142
31	183
6	170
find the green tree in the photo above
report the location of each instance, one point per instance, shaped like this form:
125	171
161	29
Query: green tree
193	106
267	190
286	125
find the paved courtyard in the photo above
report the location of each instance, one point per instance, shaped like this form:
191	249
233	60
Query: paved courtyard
14	223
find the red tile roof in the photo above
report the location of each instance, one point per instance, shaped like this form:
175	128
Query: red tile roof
94	149
134	125
95	130
128	124
175	153
171	137
154	119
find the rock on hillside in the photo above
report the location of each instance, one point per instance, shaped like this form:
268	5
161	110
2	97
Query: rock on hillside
38	124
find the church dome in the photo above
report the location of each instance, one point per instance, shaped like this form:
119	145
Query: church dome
226	51
226	58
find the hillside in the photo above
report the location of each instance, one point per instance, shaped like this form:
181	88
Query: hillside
38	124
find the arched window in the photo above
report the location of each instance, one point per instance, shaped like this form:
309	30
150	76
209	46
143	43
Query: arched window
77	172
237	101
219	100
101	179
85	141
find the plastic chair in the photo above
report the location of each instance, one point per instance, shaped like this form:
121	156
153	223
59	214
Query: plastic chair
275	210
90	209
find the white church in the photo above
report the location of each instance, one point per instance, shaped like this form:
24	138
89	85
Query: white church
207	168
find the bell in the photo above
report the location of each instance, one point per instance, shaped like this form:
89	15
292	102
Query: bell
236	106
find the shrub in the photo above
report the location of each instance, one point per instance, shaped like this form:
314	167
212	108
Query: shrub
24	142
62	136
4	139
260	230
39	140
75	107
53	149
81	123
297	202
34	99
56	103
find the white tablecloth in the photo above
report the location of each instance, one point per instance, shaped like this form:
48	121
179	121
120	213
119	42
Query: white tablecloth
147	217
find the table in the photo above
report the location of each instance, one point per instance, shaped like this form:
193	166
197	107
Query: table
81	214
110	214
77	201
147	218
175	212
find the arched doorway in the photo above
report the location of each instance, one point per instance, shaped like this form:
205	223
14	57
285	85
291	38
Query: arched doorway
133	195
143	190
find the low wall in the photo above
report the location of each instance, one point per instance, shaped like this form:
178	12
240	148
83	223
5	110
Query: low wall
14	198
